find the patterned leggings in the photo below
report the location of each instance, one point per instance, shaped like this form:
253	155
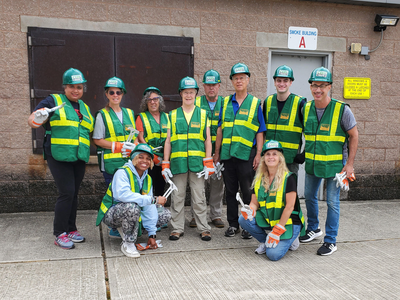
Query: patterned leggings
126	215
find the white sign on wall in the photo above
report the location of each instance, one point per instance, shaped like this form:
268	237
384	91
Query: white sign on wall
302	38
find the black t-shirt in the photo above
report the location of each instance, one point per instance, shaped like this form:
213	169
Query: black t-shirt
50	103
291	186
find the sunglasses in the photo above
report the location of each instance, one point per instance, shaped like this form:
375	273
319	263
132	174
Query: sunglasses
119	93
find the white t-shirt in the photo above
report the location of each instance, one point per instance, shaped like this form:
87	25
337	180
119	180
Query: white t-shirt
99	131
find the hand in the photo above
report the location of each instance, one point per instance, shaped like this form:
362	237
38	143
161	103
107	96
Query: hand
157	160
300	158
256	161
248	212
209	168
152	243
41	116
216	158
161	200
274	236
166	172
127	149
116	147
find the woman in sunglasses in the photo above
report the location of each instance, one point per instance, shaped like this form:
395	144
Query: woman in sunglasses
111	129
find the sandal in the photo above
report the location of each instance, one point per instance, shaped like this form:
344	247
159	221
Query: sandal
205	236
174	236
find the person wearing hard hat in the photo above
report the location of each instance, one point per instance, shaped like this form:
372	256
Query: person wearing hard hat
331	134
239	143
111	130
129	203
68	124
152	124
187	151
274	205
212	102
284	119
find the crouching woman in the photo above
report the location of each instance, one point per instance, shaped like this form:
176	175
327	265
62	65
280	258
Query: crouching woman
129	204
274	205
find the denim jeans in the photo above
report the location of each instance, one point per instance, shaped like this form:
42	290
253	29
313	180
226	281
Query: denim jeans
260	235
312	184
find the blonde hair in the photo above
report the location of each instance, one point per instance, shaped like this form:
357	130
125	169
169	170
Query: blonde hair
262	173
135	161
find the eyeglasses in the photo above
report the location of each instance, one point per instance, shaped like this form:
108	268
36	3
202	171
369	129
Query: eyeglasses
241	78
188	93
156	99
316	86
119	93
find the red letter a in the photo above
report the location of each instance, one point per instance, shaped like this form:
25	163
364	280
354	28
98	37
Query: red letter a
302	42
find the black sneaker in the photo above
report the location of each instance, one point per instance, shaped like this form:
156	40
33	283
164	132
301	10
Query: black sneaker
310	235
246	235
327	249
231	231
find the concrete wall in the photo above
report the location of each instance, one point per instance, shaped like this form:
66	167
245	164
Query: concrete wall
224	32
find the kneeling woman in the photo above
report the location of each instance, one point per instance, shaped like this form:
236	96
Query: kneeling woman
274	205
129	198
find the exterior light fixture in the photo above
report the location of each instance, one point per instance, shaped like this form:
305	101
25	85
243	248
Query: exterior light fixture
385	20
382	21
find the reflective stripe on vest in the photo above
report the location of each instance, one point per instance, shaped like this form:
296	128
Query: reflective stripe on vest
285	127
70	136
187	141
324	139
240	129
108	201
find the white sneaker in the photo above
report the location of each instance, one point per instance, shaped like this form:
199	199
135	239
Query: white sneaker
261	249
295	244
129	249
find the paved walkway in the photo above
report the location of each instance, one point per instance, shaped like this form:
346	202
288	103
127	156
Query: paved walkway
366	265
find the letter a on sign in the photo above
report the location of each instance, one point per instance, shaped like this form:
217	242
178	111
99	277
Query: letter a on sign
302	42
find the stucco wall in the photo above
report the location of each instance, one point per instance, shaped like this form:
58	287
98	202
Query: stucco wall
227	34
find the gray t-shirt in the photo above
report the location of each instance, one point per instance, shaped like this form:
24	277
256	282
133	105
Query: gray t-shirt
347	122
99	131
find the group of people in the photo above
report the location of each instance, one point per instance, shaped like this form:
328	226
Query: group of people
258	144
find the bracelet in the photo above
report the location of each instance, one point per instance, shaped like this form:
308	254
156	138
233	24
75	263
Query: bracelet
155	200
153	236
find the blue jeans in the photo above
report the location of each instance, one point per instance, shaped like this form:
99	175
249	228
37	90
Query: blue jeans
259	234
312	184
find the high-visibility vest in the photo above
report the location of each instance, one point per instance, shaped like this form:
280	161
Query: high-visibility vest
153	133
271	206
108	199
213	115
324	139
187	141
239	131
115	131
69	136
285	127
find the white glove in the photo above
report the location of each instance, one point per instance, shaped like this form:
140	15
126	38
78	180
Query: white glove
248	212
41	116
274	236
209	167
127	149
166	172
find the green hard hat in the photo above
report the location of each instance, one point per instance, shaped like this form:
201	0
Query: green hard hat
211	77
152	89
270	145
115	82
284	71
188	83
142	148
321	74
239	68
73	76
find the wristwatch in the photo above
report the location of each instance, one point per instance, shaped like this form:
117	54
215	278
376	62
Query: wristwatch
153	236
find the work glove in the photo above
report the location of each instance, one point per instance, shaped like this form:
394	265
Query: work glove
274	236
41	116
166	171
157	160
300	158
127	149
209	168
248	212
116	147
342	181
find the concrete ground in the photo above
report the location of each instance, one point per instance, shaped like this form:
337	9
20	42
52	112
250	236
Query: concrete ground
366	265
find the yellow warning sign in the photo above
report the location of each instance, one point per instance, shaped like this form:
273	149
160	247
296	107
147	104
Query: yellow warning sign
357	88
